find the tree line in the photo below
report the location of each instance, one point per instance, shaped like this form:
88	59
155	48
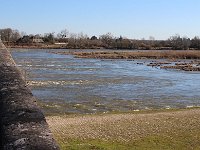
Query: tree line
65	39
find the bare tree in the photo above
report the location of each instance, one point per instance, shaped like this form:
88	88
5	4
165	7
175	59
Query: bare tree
6	34
9	35
195	42
49	38
63	34
72	42
179	43
83	40
107	39
15	36
151	38
186	42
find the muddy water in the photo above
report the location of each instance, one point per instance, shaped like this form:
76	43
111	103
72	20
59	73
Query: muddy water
70	84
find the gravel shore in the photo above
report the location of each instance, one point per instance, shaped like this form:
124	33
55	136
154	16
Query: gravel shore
130	127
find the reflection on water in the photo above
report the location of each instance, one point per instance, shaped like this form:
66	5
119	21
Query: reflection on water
91	85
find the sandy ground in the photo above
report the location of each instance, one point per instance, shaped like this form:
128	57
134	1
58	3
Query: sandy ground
126	127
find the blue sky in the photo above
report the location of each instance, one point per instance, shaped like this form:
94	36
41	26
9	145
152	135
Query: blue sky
130	18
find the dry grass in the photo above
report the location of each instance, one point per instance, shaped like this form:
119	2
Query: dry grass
171	130
171	54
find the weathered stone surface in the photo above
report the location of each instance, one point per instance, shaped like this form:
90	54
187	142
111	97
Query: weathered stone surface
22	123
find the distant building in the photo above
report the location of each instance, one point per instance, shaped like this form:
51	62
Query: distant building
30	40
37	39
61	43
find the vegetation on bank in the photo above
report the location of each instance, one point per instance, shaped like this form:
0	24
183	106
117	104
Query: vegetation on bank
138	54
65	39
171	55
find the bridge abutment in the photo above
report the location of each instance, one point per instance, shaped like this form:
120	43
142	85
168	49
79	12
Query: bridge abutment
22	123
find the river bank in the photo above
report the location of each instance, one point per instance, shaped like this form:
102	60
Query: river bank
167	59
152	130
113	101
138	54
51	46
66	84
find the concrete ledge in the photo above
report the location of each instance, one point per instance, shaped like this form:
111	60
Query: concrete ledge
22	123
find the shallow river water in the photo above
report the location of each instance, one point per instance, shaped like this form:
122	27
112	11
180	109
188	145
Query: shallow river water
94	85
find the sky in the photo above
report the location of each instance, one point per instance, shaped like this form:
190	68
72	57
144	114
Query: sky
134	19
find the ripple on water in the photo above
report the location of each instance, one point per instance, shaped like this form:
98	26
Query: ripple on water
118	85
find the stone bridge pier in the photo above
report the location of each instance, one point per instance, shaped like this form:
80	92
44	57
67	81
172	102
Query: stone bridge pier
22	123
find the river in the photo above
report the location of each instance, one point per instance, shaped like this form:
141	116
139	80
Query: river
76	85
